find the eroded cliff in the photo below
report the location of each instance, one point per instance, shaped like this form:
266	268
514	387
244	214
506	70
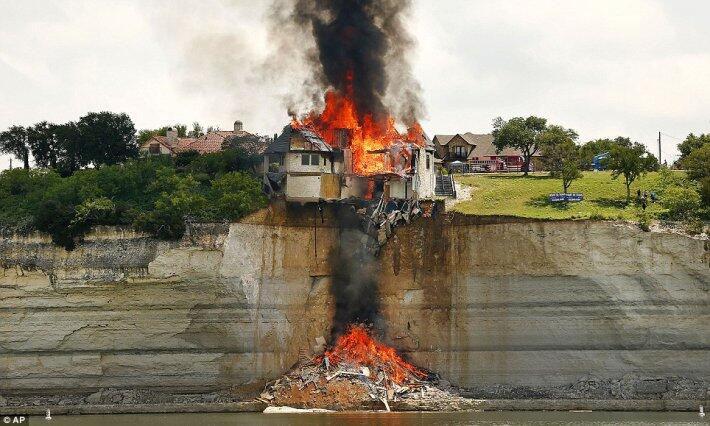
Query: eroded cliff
520	308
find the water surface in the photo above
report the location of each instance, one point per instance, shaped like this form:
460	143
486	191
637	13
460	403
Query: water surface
385	419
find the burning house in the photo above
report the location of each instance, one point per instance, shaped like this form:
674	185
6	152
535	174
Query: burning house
352	148
303	166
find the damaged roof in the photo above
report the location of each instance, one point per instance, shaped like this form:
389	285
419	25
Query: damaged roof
282	144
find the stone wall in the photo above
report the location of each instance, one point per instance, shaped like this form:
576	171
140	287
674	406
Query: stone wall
555	309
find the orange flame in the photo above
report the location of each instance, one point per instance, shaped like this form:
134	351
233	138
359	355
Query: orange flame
357	347
366	132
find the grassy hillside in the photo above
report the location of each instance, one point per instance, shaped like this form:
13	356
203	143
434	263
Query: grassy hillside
513	194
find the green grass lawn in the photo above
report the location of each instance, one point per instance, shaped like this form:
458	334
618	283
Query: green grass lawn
515	195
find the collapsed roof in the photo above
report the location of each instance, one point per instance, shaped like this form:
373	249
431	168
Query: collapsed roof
297	139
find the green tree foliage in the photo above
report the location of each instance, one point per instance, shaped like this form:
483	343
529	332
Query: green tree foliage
630	162
697	162
43	144
524	134
149	193
682	202
211	166
590	149
14	141
692	143
71	155
145	134
237	194
108	138
197	130
561	154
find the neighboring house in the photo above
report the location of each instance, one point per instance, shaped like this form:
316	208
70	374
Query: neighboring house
171	144
476	150
300	166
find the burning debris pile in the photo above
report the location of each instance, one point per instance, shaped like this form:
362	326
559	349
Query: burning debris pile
360	372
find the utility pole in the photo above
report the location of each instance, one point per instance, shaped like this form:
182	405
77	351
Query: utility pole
659	148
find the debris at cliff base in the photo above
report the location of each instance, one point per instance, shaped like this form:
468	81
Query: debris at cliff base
359	372
348	388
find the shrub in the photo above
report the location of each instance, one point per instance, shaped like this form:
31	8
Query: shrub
644	221
681	202
693	225
237	194
705	190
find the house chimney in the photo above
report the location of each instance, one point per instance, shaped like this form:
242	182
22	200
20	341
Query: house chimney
238	126
172	135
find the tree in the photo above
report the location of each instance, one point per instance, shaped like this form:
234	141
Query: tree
43	144
697	162
70	153
14	141
561	154
520	133
108	138
236	194
590	149
145	134
631	162
691	143
197	130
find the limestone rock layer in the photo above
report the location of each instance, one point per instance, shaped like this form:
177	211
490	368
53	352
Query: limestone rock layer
559	309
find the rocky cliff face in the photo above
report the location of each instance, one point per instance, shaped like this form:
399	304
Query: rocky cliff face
549	309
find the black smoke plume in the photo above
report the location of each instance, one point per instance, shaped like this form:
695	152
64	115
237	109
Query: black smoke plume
362	44
355	275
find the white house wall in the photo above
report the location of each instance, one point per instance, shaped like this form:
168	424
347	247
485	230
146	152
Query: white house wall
293	164
400	188
426	177
304	188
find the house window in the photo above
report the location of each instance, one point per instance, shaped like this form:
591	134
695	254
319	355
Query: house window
310	159
428	162
154	148
461	151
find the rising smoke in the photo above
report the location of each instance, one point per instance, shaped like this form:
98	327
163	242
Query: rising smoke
355	274
362	43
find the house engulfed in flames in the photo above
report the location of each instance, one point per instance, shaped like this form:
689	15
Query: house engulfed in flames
304	165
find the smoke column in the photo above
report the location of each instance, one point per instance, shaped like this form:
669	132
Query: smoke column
362	43
355	274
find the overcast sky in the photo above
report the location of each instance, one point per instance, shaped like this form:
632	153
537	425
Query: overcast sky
604	68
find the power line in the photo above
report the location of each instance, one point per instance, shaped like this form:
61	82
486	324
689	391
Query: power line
670	136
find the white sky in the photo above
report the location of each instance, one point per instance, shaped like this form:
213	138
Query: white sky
604	68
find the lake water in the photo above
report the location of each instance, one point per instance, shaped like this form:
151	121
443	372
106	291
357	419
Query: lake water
385	419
